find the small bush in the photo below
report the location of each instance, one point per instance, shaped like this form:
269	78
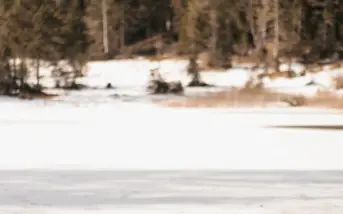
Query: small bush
326	100
162	87
339	82
295	101
234	98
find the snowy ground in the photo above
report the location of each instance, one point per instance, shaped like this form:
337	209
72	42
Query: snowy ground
131	135
102	138
95	130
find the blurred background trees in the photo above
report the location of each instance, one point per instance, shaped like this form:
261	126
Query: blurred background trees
45	31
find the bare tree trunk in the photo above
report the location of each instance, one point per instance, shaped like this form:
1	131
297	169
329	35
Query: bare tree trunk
276	35
23	71
38	71
263	20
214	37
193	68
14	68
105	26
276	29
122	25
252	24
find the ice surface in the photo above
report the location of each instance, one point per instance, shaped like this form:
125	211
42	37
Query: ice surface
189	192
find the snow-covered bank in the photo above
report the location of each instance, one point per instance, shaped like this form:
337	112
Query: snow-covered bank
130	73
134	74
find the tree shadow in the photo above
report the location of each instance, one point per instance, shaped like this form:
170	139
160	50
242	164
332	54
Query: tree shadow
313	127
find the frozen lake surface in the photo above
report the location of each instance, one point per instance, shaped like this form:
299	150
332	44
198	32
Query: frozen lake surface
169	192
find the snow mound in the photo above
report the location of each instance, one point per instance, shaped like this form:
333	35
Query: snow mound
295	67
237	77
287	82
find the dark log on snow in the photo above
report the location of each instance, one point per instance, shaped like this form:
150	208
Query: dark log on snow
162	87
31	96
75	86
29	92
195	83
175	87
109	86
294	101
157	85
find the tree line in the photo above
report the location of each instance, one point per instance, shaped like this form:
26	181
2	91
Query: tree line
52	31
228	23
37	33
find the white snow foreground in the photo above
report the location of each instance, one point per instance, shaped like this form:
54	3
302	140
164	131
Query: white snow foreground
62	159
138	136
